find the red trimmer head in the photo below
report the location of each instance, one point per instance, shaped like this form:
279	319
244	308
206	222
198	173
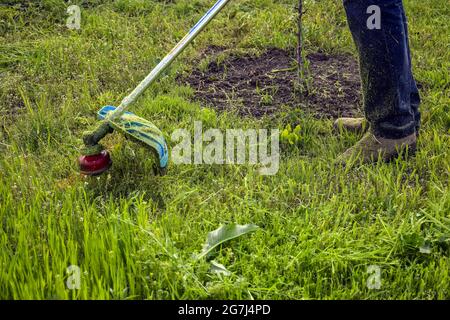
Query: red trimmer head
94	159
96	164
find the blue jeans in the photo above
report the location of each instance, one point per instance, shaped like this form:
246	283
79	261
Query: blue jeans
391	97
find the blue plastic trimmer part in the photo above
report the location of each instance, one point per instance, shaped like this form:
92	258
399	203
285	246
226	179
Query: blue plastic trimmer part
140	130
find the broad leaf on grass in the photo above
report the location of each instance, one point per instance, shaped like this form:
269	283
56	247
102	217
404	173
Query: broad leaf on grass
218	268
223	234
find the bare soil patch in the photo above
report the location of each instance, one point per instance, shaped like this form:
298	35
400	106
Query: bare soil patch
258	85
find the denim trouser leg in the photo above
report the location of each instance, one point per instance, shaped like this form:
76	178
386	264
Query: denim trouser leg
391	98
415	95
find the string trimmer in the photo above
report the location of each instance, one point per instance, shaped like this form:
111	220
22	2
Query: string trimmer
95	159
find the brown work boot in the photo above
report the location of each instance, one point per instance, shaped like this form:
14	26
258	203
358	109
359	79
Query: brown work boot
357	125
370	149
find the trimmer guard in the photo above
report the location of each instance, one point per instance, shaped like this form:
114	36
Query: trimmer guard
141	131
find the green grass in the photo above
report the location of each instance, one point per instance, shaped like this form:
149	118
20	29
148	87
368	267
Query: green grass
134	235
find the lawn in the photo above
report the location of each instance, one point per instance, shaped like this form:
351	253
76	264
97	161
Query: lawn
323	229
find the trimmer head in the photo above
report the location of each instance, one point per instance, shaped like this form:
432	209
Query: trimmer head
142	131
94	165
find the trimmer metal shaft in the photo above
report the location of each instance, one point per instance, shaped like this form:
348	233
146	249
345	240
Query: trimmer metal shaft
93	138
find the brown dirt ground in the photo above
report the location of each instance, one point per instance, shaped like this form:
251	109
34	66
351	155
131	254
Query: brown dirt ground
255	86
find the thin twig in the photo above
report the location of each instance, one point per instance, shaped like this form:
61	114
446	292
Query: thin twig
300	40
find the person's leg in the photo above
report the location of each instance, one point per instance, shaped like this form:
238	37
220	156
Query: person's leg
386	77
360	124
415	95
385	67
